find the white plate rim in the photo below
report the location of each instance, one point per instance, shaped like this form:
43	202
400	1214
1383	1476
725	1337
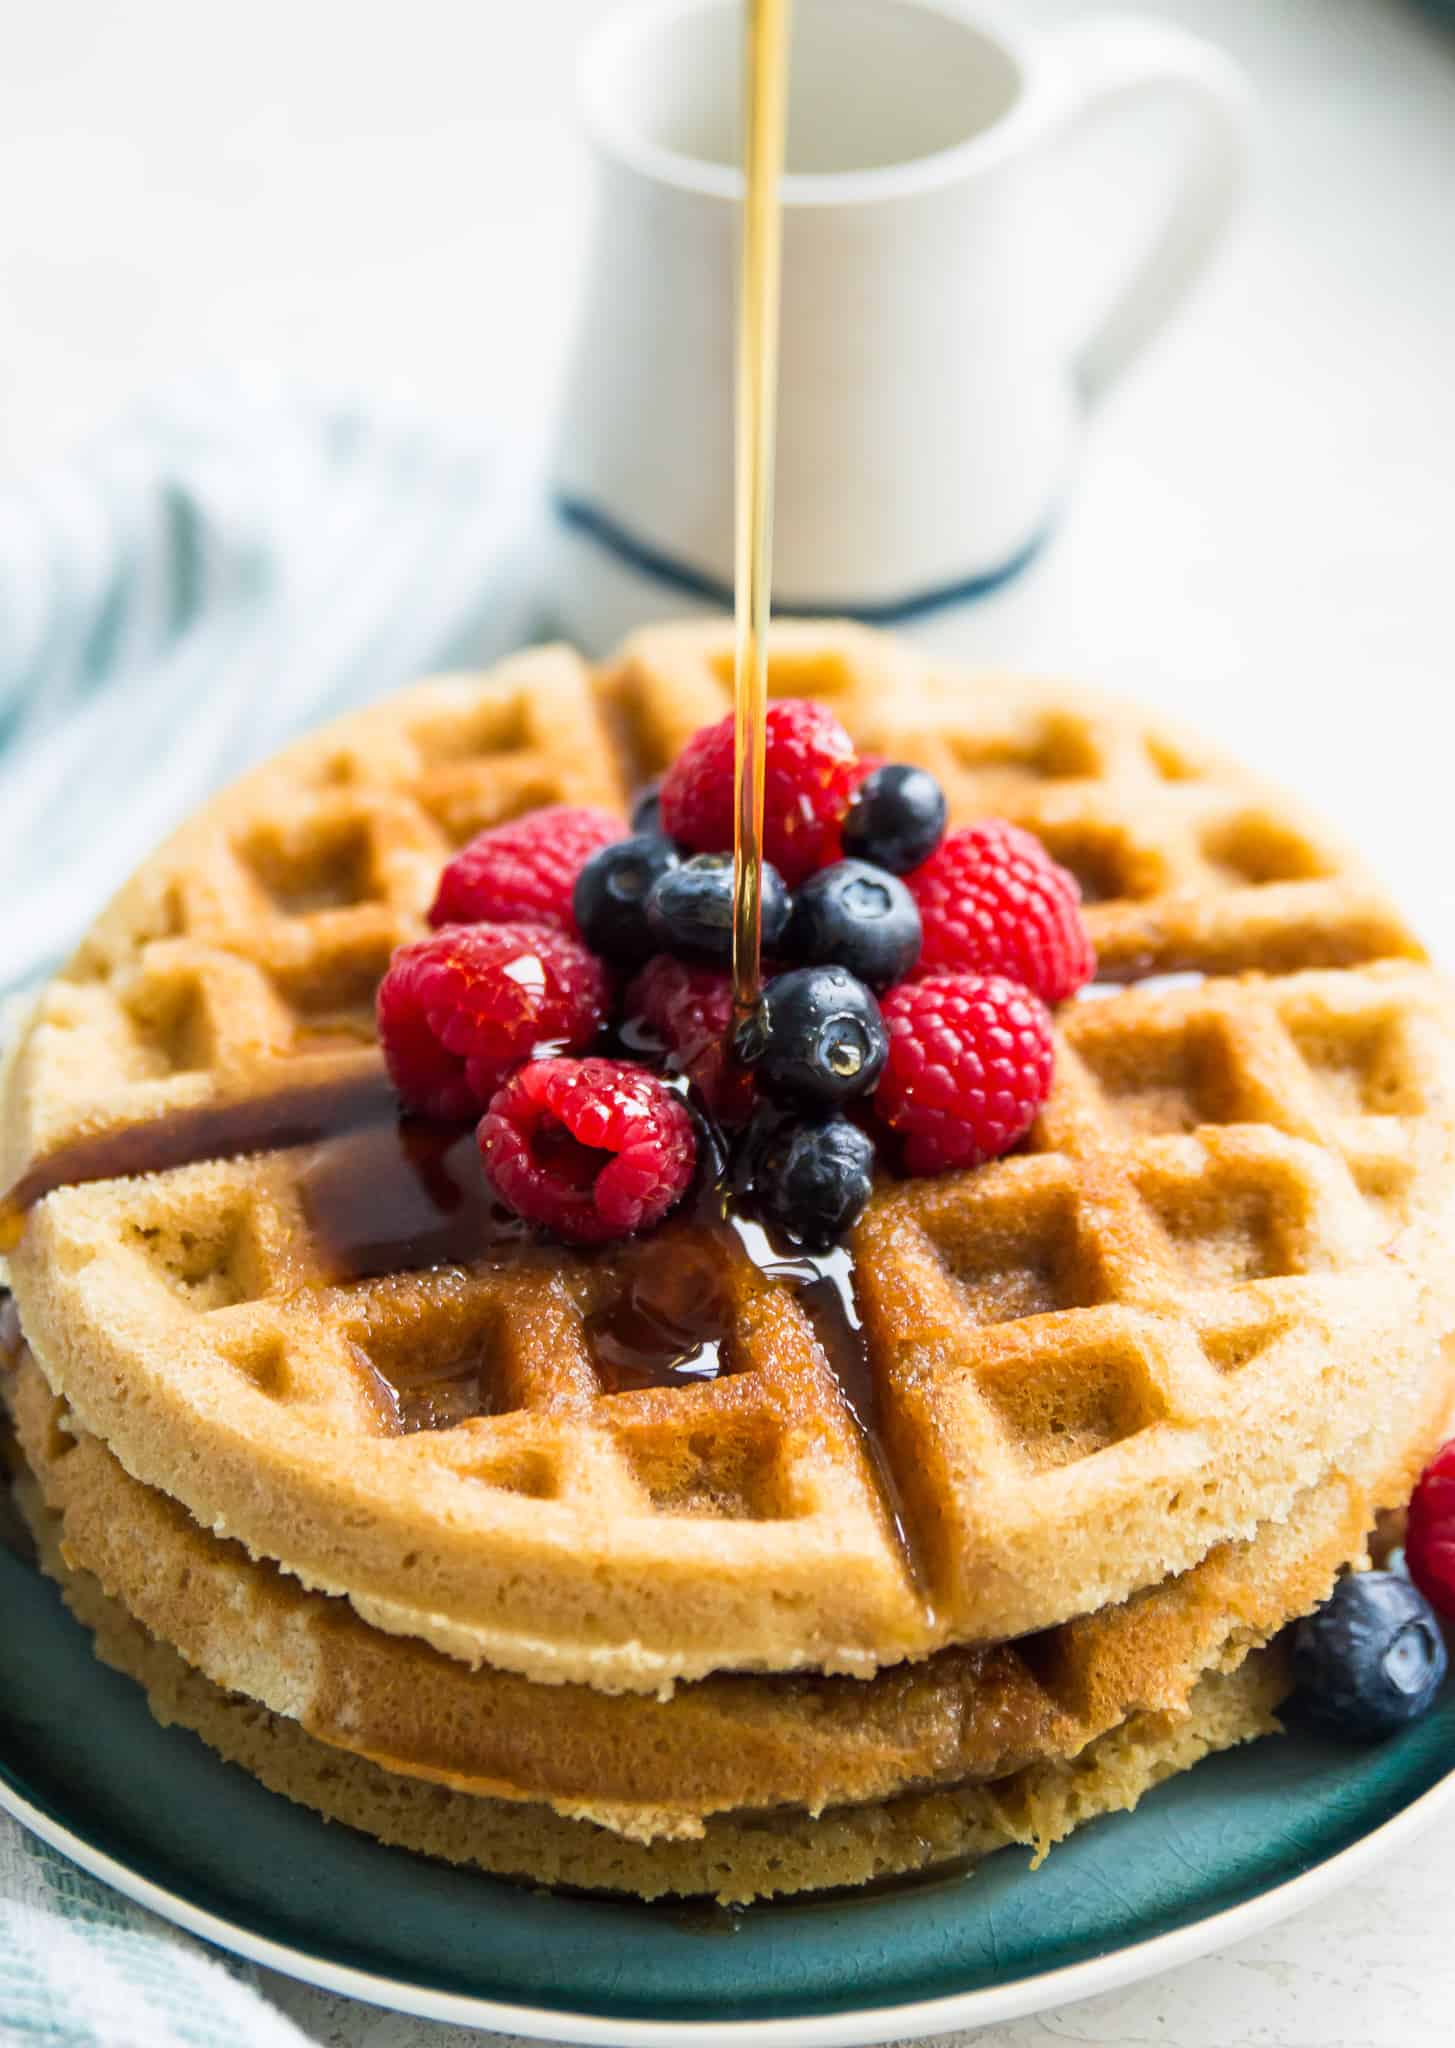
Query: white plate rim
860	2028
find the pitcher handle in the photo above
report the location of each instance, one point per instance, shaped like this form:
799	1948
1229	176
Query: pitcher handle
1123	62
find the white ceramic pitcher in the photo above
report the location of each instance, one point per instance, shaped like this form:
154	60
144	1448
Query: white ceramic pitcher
926	409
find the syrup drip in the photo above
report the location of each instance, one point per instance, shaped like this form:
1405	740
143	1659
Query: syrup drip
400	1196
670	1323
275	1121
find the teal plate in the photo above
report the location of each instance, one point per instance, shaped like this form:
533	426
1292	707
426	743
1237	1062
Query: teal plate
1212	1855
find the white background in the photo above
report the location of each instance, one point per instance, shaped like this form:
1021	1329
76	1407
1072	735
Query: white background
387	197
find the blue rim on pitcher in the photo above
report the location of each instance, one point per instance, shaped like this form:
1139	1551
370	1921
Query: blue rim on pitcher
681	579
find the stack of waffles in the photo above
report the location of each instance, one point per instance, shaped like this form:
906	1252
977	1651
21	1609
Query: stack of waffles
389	1518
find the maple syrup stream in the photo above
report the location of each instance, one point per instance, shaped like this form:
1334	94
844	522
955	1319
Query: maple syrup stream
765	77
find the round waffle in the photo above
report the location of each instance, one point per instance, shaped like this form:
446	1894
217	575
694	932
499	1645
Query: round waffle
737	1858
654	1769
1180	1307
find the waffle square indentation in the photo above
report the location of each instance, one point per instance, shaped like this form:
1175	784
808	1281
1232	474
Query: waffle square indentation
1015	1256
171	1024
1359	1064
262	1360
330	998
208	1255
1109	864
1229	1226
498	722
325	863
1156	1078
1257	847
730	1472
1057	747
1072	1402
823	672
437	1352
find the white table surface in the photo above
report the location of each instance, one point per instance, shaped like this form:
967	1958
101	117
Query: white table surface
1262	536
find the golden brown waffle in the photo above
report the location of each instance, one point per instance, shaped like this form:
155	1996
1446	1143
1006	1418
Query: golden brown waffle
1184	859
1222	1255
737	1858
652	1769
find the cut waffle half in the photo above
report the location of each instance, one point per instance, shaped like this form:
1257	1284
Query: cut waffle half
652	1769
1147	1334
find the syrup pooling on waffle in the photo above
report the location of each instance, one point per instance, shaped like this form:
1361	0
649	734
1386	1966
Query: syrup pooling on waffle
382	1196
1287	1177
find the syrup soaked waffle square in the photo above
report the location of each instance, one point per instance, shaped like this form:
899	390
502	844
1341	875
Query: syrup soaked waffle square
468	1394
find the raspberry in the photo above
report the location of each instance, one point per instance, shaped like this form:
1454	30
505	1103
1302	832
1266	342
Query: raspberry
992	901
1429	1544
808	780
690	1009
459	1009
524	870
970	1062
592	1149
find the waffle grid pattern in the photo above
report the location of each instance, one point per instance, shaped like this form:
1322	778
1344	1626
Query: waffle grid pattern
1092	1361
1217	1172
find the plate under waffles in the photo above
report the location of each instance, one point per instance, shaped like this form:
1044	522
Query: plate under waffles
1196	1319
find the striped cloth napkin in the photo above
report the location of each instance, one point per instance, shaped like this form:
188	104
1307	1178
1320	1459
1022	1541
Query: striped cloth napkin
80	1967
233	562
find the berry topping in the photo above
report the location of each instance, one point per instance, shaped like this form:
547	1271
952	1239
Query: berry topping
647	809
1429	1544
610	897
970	1061
690	909
896	818
961	1056
1371	1659
592	1149
524	870
459	1009
992	901
855	916
689	1009
817	1036
809	775
811	1179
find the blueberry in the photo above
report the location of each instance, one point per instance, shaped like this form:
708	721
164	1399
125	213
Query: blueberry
809	1177
817	1036
647	810
855	916
896	818
690	910
610	897
1371	1659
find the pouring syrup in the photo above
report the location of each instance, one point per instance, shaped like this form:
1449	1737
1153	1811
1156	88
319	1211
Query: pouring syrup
765	82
